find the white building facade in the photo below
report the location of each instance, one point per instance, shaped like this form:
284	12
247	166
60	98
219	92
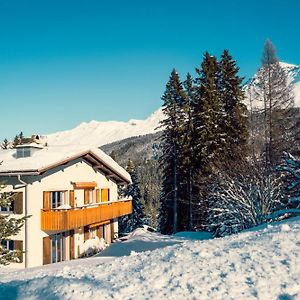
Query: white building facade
69	195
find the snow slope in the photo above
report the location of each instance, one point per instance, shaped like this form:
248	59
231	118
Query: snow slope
97	133
258	264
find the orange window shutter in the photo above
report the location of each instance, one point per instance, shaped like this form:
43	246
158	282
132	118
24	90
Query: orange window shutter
71	199
104	195
86	196
46	250
46	200
97	195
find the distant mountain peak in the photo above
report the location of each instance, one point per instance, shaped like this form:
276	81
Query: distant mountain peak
97	133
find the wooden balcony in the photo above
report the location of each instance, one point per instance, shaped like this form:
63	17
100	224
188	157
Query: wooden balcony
78	217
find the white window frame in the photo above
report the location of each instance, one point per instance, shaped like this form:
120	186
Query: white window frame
64	199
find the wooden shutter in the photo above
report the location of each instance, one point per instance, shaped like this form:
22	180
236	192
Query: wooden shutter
46	200
86	233
98	195
86	196
99	232
112	231
71	199
72	245
18	245
18	203
46	250
104	195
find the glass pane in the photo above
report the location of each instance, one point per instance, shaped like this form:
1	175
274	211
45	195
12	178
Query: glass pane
53	249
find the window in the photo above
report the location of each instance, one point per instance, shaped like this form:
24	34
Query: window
23	152
92	196
93	232
9	208
8	245
58	198
58	244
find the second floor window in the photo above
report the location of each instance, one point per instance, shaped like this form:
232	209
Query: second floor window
58	198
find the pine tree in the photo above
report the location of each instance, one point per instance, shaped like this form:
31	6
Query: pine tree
276	93
171	159
234	112
8	228
137	218
16	141
5	144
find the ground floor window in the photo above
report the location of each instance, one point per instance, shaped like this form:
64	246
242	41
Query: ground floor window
57	247
8	245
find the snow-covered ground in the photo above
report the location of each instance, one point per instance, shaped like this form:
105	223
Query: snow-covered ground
258	264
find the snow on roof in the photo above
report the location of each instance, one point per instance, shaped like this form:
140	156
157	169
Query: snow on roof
52	156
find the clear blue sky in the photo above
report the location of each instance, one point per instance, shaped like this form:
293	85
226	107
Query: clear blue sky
64	62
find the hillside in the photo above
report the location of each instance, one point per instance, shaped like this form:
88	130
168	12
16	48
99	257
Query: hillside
259	264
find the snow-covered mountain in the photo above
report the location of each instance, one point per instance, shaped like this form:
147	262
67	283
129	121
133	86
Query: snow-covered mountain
96	133
293	72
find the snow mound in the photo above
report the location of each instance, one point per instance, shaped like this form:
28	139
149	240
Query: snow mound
257	264
92	246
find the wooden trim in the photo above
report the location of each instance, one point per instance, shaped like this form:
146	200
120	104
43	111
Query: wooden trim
64	220
71	199
99	224
84	185
18	203
46	200
46	250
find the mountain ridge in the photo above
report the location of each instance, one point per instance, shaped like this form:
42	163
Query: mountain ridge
100	133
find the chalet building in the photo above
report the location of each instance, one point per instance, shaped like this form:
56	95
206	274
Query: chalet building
70	195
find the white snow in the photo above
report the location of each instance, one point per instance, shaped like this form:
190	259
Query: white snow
97	133
92	246
54	155
259	264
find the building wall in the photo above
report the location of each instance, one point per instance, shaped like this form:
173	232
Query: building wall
58	179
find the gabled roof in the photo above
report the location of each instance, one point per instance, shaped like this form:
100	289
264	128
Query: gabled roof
54	156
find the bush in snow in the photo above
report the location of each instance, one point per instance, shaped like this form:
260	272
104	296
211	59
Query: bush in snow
244	200
8	228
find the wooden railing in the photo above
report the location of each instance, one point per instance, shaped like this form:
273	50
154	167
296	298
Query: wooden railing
78	217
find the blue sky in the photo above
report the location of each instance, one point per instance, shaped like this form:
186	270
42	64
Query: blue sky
65	62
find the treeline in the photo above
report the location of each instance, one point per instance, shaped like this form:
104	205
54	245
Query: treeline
219	158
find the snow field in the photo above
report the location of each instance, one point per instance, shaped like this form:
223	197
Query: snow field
261	264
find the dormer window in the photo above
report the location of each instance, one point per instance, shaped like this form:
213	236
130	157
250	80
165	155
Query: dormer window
27	150
23	152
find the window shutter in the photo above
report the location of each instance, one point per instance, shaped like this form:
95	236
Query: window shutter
71	199
97	195
46	250
86	233
18	245
72	245
18	203
104	195
46	200
112	231
86	196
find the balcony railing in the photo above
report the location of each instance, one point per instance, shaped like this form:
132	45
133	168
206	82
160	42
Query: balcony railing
78	217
